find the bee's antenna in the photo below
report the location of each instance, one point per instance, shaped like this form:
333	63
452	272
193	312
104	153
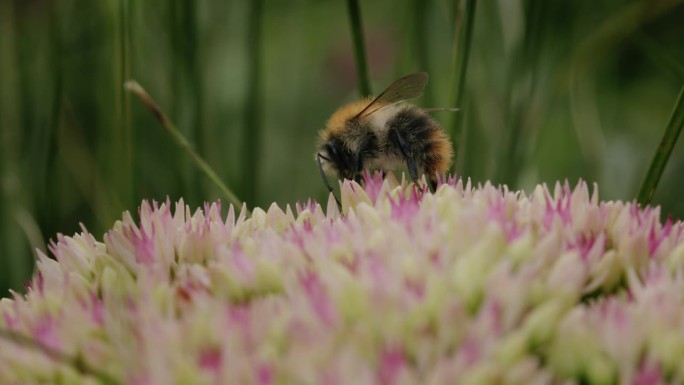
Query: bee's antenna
325	179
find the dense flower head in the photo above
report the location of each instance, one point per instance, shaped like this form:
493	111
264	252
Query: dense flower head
469	285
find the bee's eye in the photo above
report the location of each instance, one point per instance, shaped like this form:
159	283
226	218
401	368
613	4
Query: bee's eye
337	154
334	152
331	147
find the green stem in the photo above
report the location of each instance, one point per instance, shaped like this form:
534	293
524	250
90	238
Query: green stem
421	43
76	362
251	154
182	26
124	127
193	66
462	52
16	255
171	128
662	155
359	46
520	90
46	213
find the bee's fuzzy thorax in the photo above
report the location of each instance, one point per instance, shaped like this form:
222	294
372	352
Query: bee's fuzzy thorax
339	118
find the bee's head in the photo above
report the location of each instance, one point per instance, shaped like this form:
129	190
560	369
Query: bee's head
337	146
334	157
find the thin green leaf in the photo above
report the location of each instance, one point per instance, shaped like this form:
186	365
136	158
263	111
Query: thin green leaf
662	155
421	43
462	52
123	143
251	153
187	83
140	92
359	46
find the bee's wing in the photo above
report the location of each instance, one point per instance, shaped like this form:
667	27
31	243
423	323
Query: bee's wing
409	87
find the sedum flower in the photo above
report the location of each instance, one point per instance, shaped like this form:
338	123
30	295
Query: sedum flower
476	285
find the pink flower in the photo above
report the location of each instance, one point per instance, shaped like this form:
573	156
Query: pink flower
402	286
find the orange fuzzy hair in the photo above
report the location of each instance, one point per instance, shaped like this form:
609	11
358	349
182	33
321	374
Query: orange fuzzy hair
339	118
442	145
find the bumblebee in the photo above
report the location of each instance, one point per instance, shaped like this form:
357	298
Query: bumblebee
384	133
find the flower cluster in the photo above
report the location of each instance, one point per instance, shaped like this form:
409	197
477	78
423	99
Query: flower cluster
468	285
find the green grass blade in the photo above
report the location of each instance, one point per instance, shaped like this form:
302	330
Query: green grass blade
187	84
192	57
421	43
123	128
521	84
359	46
662	155
462	52
171	128
15	253
251	153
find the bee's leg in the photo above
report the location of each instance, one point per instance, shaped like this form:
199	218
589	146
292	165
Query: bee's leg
413	171
327	183
408	155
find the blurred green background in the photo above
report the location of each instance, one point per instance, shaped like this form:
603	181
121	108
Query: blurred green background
554	90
